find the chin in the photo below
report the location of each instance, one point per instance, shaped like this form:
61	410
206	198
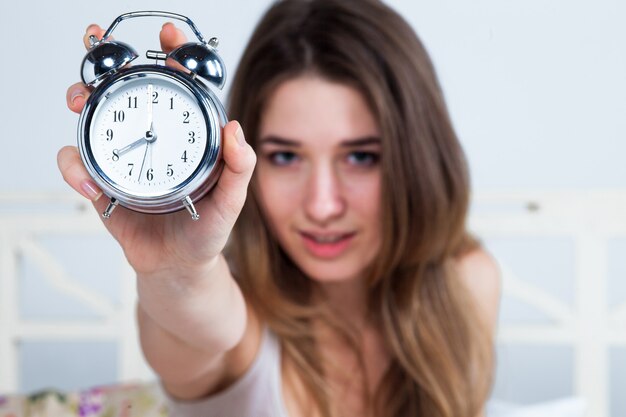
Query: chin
328	274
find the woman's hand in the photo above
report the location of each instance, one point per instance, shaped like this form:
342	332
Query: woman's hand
173	241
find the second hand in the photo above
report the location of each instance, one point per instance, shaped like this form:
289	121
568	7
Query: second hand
143	162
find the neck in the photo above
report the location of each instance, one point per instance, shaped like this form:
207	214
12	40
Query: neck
348	299
346	367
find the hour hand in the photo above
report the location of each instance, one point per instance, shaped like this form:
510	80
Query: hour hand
149	138
132	146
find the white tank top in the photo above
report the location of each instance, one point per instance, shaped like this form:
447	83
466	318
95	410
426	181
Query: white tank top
257	393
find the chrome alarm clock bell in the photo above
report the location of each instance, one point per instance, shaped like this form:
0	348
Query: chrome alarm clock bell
150	135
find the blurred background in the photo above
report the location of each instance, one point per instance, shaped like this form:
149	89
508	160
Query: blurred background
537	93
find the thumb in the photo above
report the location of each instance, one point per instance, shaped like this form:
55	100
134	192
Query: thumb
239	161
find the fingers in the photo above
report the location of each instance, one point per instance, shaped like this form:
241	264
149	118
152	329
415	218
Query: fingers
171	37
76	97
95	30
239	161
77	94
75	174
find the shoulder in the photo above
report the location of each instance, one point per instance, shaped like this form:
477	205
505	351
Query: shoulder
480	273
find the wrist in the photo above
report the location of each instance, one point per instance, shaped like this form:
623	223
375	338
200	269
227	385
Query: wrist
174	265
183	276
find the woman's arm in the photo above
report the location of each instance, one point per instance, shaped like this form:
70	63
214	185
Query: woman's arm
188	323
194	325
189	372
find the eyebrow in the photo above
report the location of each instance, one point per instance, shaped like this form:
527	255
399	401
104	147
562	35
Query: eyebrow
350	143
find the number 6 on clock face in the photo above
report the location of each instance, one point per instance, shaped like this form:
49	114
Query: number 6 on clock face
150	135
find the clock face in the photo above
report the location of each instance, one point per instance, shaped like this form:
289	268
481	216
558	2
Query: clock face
148	135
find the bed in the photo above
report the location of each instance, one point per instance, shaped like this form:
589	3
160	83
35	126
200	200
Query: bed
128	400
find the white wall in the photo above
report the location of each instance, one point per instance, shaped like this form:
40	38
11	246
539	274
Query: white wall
536	89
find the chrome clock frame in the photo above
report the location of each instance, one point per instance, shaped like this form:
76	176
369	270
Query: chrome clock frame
197	184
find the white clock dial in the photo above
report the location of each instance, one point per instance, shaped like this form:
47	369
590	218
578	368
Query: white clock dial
148	136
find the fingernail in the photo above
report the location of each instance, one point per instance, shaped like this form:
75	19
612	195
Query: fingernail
76	94
241	140
90	190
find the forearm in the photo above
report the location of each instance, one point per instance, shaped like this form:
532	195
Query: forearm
175	361
202	310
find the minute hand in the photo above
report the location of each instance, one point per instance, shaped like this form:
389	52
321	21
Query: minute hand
150	114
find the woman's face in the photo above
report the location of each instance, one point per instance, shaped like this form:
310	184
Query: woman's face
319	176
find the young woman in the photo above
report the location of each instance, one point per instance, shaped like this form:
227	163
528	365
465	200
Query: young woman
349	285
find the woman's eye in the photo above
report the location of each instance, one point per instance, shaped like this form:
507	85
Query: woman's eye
361	158
282	158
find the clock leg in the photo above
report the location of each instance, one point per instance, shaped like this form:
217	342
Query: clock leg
190	208
110	208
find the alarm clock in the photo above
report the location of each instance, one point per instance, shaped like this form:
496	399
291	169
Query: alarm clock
150	135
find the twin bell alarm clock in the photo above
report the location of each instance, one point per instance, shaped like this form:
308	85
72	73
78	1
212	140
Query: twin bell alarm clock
150	135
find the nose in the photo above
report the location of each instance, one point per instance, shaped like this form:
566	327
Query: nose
324	201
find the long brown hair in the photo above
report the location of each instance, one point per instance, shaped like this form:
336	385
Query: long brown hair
441	363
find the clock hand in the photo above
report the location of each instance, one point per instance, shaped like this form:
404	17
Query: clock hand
132	146
149	137
150	92
143	161
151	158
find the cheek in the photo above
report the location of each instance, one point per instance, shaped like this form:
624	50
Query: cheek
365	197
279	198
367	205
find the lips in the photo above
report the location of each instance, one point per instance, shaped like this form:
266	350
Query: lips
327	245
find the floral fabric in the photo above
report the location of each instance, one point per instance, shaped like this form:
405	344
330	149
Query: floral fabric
130	400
